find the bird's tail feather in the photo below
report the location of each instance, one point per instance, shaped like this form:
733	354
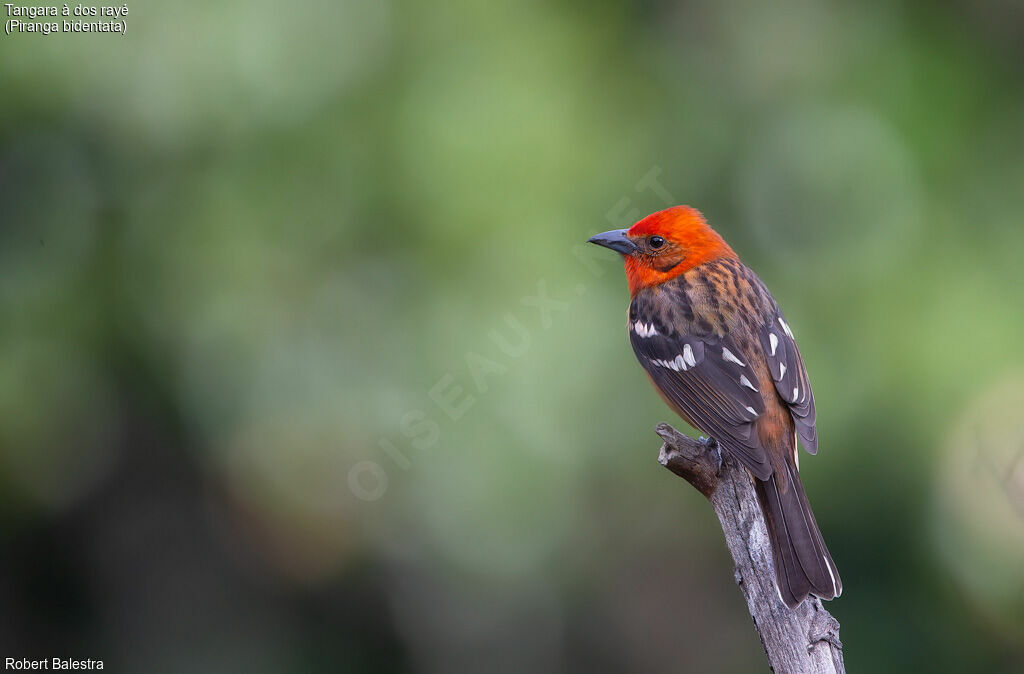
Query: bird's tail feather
803	564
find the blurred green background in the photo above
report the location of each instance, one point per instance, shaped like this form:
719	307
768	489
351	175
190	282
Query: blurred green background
304	367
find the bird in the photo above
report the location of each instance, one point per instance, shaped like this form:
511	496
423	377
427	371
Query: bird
718	350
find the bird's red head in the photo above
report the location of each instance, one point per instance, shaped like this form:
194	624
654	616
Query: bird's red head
664	245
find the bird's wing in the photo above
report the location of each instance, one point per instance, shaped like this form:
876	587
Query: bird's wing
790	378
709	380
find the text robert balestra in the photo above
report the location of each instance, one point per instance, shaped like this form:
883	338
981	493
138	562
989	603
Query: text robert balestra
56	664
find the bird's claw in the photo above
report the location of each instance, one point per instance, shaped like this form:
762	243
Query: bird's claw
714	450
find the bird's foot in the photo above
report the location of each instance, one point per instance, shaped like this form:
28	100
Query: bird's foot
714	450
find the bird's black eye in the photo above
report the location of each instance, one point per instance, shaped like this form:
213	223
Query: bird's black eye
655	242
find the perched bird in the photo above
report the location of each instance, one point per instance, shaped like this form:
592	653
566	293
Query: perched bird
720	353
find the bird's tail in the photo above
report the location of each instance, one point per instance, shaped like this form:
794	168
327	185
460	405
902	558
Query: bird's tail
802	563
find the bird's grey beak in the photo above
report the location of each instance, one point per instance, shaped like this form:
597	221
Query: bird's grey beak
616	240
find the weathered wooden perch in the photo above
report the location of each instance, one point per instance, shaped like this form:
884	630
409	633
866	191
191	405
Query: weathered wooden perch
804	640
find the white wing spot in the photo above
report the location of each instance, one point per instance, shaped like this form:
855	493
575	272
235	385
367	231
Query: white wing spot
782	370
729	355
752	411
688	356
643	330
746	382
774	340
677	363
796	393
785	327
